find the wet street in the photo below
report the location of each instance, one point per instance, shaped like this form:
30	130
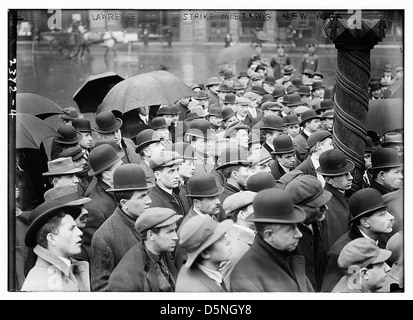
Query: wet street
58	79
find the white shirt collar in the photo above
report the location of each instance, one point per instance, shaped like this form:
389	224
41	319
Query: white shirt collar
196	210
144	118
244	228
213	274
308	133
166	190
66	261
367	237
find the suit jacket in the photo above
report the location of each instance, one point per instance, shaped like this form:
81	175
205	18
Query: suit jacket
150	176
129	147
301	141
161	198
276	170
138	272
50	273
229	189
194	280
265	269
100	208
307	167
109	244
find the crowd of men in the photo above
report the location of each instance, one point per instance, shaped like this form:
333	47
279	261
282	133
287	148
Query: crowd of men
236	188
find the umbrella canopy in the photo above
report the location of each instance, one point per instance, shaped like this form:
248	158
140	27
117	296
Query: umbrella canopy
234	53
31	131
147	89
385	115
91	94
37	105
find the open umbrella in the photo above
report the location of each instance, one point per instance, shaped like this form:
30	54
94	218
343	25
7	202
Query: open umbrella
146	89
234	53
31	131
37	105
385	115
92	92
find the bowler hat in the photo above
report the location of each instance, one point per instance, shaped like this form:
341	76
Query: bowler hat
212	81
185	150
267	98
203	185
215	112
145	138
307	190
375	85
61	166
291	89
290	119
326	104
74	152
391	137
361	252
238	200
227	74
283	144
288	69
106	122
227	112
158	123
200	128
334	163
260	157
271	105
294	100
269	79
82	125
243	74
70	114
365	201
229	98
224	88
318	136
68	195
308	116
297	81
273	122
102	158
129	177
165	158
278	92
308	72
69	135
317	85
319	74
43	213
383	158
276	206
113	144
165	109
201	95
258	89
329	114
263	180
200	232
155	217
233	156
304	90
368	149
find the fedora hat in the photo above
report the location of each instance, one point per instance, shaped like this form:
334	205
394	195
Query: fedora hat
317	85
74	152
43	213
383	158
200	128
275	206
391	137
283	144
129	177
70	114
307	190
106	122
68	195
212	82
294	100
229	98
69	135
365	201
334	163
165	158
145	138
263	180
199	233
227	112
288	69
308	116
361	252
158	123
318	136
185	150
165	109
203	186
304	90
155	217
290	119
235	155
102	158
273	123
82	125
60	167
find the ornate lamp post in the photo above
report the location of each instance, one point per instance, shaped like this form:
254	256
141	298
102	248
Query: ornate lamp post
354	33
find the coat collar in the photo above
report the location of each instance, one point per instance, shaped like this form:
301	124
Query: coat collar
52	259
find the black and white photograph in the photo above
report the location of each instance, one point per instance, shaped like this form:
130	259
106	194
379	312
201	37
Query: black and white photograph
206	153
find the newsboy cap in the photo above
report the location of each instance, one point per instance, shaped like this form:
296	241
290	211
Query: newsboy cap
308	190
155	217
233	156
361	252
364	202
238	200
129	177
318	136
165	158
200	232
263	180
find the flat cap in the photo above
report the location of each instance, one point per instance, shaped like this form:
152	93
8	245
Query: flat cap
165	158
238	200
156	217
318	136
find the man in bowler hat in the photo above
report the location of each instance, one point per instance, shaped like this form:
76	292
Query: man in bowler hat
310	123
69	137
284	154
83	126
118	234
148	265
56	239
270	264
370	219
